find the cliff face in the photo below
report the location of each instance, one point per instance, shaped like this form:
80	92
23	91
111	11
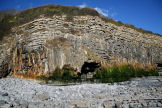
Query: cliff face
38	47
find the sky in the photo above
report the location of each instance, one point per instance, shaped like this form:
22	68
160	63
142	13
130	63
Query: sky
146	14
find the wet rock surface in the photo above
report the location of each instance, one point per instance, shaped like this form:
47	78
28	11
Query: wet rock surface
139	92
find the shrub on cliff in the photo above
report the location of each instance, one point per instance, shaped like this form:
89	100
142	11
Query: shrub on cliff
66	74
57	74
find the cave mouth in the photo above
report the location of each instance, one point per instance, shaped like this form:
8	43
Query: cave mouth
89	67
159	64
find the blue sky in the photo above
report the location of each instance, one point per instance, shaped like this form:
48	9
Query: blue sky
146	14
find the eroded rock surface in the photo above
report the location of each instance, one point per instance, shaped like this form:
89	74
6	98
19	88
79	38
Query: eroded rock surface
138	93
41	45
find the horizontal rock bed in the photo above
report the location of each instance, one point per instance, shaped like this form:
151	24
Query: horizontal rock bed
139	92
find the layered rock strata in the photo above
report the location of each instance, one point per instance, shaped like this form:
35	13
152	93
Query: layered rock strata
38	47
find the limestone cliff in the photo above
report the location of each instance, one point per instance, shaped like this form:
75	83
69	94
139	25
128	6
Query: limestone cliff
39	46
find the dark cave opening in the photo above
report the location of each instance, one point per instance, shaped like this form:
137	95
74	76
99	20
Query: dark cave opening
159	64
89	67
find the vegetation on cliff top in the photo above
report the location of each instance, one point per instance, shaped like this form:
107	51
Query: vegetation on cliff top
7	21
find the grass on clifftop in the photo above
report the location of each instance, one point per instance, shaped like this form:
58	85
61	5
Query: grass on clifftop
7	21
